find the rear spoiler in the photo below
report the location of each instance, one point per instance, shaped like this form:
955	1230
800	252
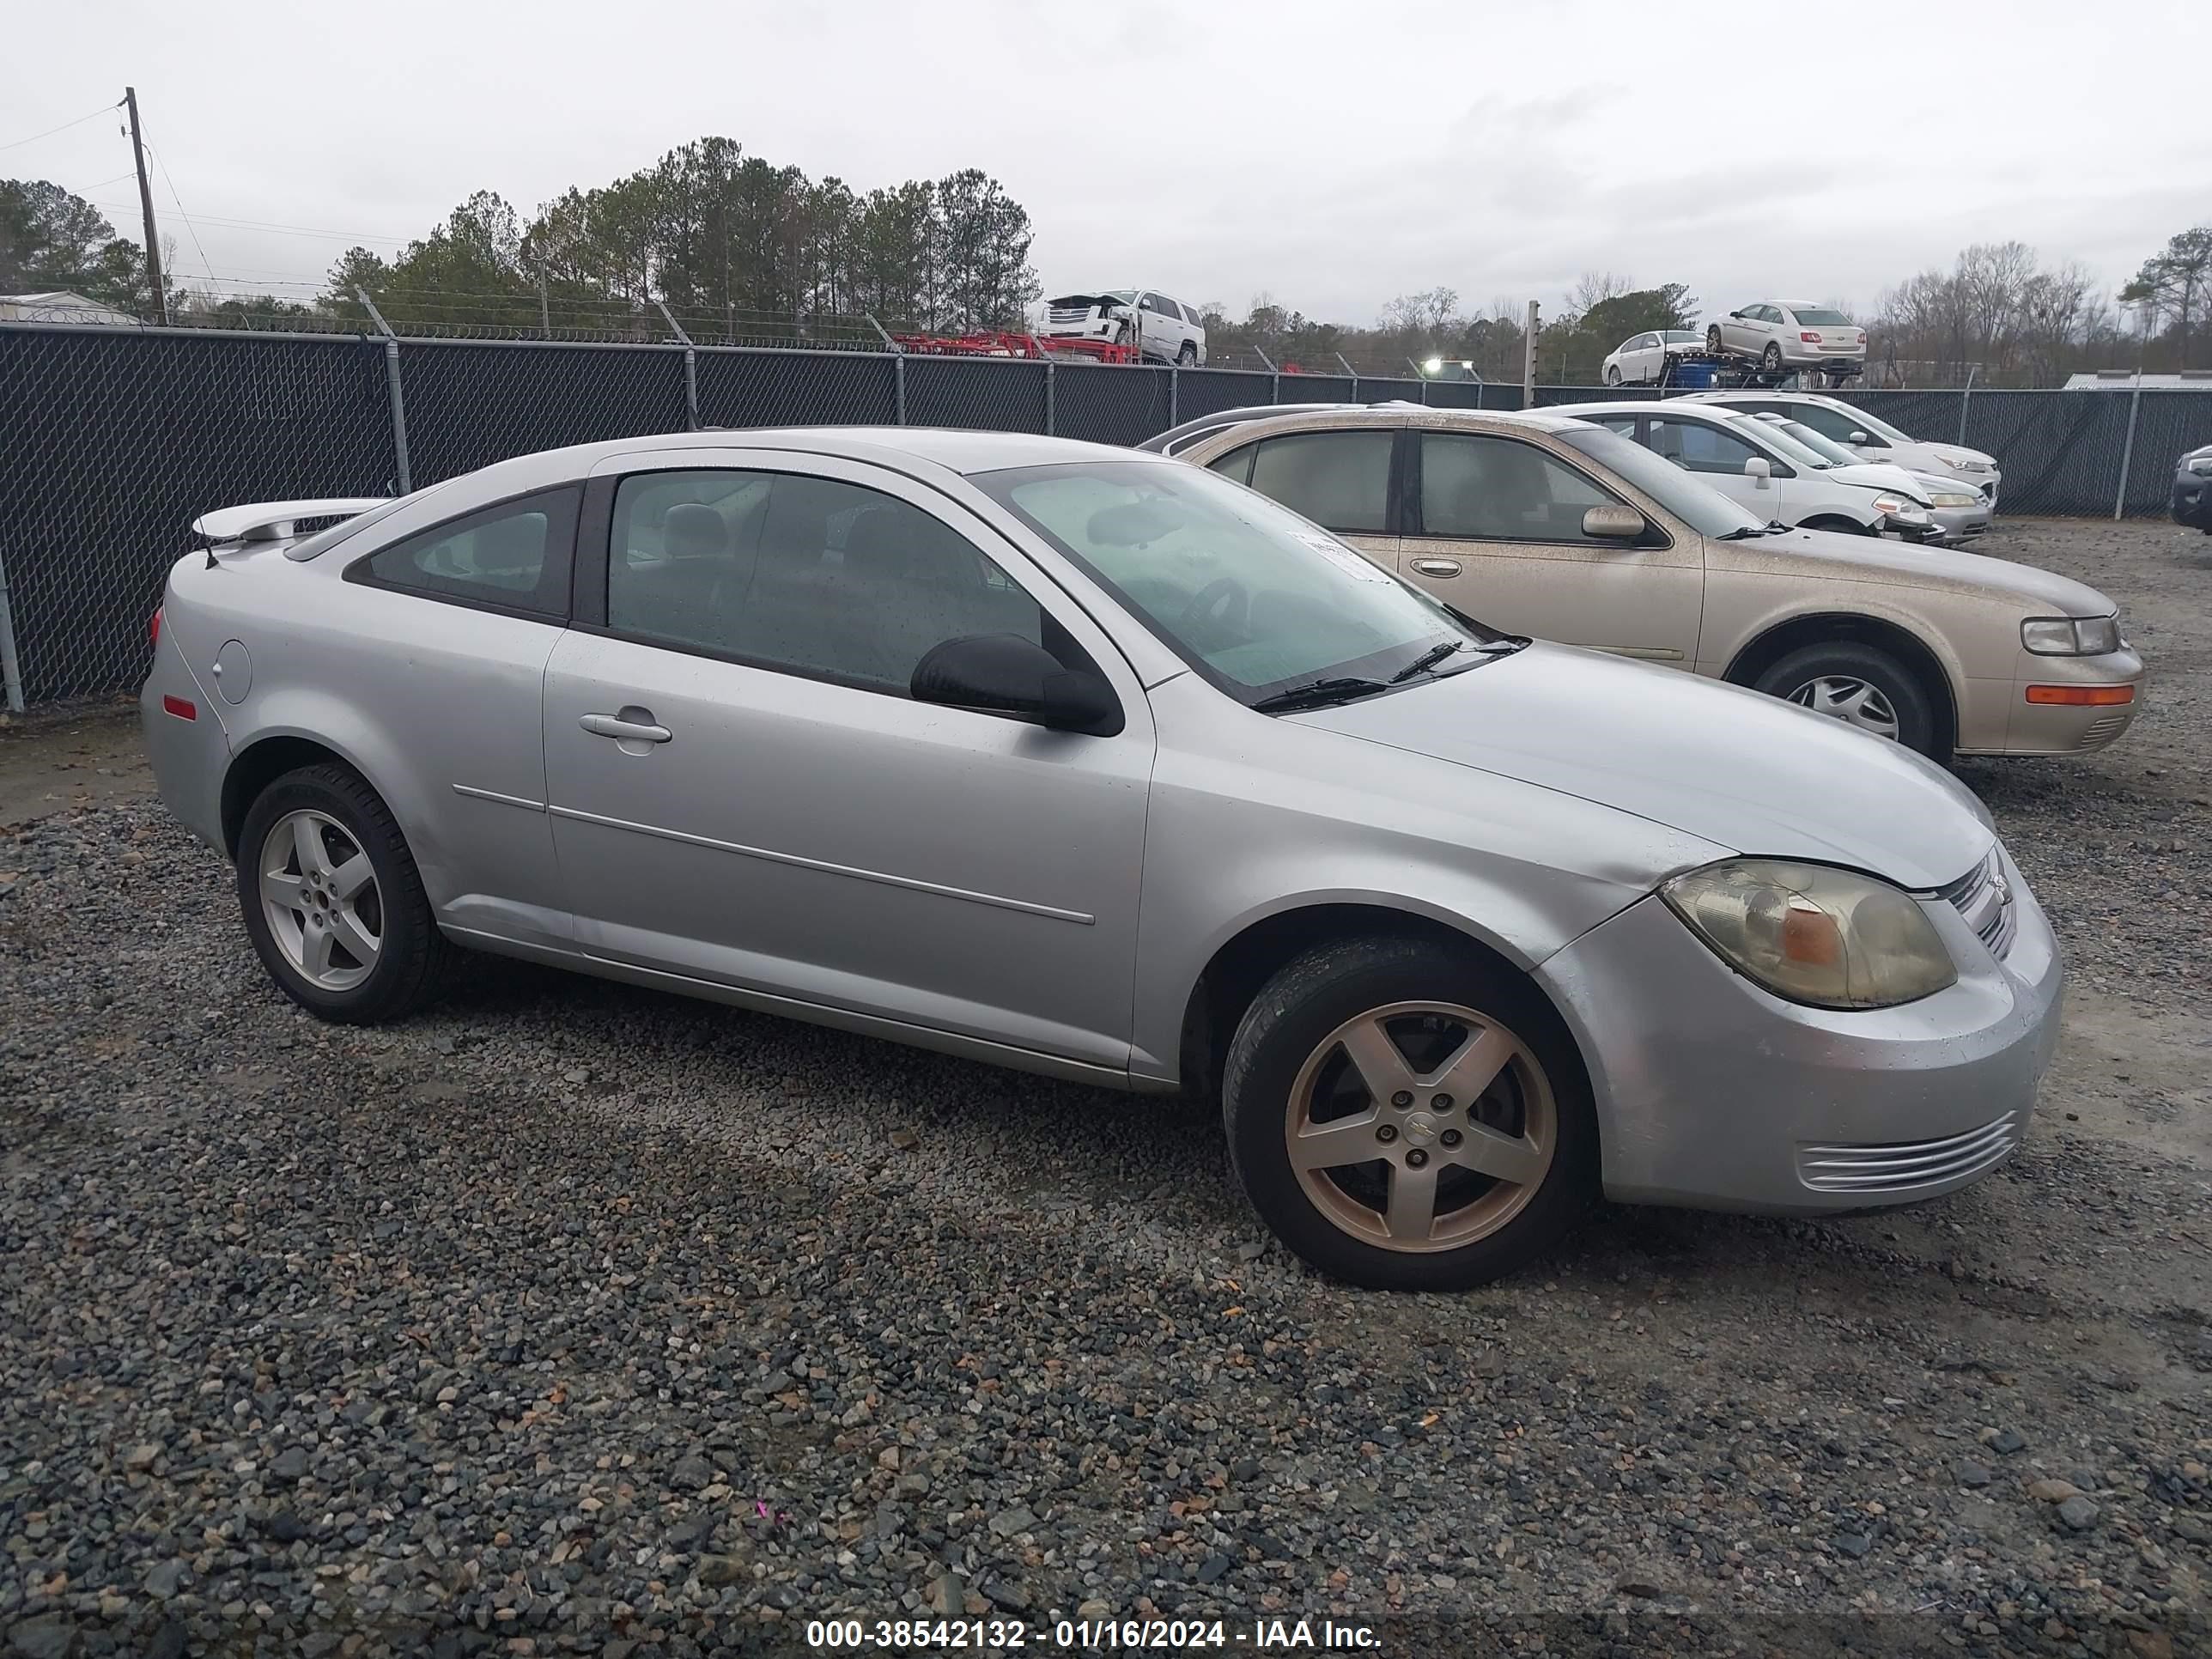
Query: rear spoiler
274	521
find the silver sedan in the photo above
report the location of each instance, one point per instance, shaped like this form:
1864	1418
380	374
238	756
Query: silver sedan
1096	764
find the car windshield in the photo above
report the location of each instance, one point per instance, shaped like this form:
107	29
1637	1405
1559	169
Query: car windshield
1881	428
1769	436
1256	599
1699	506
1826	447
1819	317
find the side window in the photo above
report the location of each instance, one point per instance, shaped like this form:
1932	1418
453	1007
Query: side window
1340	480
1643	343
1622	424
514	557
1696	447
1832	424
1153	303
817	576
1236	465
1500	490
1191	316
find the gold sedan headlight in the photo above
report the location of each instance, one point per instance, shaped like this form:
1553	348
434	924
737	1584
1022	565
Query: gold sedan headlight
1831	938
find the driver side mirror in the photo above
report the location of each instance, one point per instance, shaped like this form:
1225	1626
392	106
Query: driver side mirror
1737	315
1006	674
1614	523
1858	437
1757	470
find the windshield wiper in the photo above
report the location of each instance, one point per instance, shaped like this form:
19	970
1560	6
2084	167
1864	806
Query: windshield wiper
1747	532
1319	694
1427	661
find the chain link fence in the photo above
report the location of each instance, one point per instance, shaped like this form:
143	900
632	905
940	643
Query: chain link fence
113	439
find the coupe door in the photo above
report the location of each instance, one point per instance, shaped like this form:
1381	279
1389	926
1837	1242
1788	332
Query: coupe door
1640	361
1494	528
742	791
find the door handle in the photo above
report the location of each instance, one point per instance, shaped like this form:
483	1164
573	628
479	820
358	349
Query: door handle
1436	567
625	731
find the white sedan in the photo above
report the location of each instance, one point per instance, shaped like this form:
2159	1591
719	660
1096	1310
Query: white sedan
1642	358
1792	335
1762	468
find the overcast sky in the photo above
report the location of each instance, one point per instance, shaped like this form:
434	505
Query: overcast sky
1331	155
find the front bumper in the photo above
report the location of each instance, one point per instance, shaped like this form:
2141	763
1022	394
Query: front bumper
2049	728
1713	1094
1955	525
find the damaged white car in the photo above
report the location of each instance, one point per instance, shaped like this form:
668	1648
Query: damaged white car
1164	330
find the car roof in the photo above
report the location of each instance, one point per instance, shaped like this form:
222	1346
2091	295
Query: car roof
1633	406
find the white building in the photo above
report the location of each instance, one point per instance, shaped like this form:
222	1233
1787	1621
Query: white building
61	306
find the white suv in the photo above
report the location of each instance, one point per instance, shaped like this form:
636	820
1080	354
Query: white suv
1164	330
1870	437
1791	336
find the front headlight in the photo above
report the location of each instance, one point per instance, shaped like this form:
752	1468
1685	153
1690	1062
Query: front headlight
2071	636
1960	463
1951	498
1897	507
2202	465
1831	938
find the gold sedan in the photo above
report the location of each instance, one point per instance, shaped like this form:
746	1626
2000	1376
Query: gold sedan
1550	526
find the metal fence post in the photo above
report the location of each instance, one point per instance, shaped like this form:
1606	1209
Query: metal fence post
1966	397
399	398
11	668
2128	450
898	385
690	365
1051	413
1175	393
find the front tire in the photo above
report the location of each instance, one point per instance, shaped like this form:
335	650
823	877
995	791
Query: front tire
1404	1116
333	902
1861	685
1839	526
1713	338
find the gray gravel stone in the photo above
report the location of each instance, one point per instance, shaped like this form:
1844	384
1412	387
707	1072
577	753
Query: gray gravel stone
2078	1513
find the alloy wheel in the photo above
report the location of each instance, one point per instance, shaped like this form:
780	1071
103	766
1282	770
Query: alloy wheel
1420	1126
320	894
1855	701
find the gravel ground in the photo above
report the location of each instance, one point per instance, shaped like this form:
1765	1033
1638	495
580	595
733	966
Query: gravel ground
575	1318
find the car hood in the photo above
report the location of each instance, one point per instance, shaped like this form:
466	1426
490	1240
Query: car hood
1834	557
1728	766
1879	475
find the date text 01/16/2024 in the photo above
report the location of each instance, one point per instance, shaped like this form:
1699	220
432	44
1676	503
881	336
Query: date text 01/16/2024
1168	1635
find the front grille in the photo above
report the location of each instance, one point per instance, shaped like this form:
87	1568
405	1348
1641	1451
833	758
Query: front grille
1066	314
1984	897
1901	1166
2103	729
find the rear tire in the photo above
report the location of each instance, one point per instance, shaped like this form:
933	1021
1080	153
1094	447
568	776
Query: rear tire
1613	375
1862	685
1713	338
333	902
1395	1197
1771	359
1187	357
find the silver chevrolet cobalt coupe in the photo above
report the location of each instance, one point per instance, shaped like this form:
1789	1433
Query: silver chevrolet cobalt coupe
1096	764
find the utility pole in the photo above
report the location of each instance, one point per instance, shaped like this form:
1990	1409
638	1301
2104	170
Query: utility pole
146	202
1528	358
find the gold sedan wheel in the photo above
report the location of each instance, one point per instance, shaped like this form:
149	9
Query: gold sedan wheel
1421	1126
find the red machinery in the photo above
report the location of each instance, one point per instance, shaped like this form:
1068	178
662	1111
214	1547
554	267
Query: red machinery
996	343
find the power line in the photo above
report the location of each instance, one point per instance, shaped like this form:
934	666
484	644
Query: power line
182	214
289	230
18	143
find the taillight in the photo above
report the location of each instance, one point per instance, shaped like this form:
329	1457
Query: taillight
157	624
1810	339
